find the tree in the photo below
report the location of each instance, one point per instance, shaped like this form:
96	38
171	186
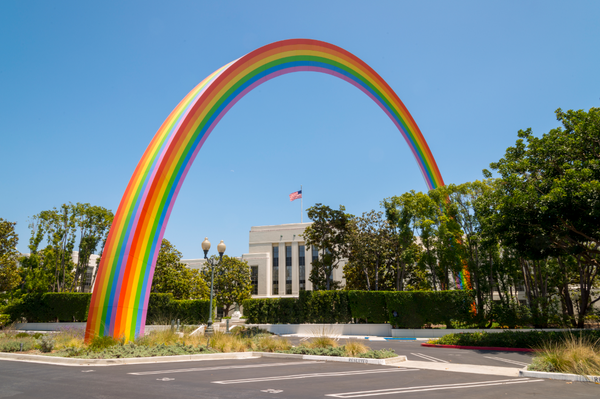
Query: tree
549	197
9	273
400	212
232	282
328	233
370	250
63	229
172	276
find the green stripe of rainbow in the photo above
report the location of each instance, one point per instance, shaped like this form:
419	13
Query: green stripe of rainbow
122	288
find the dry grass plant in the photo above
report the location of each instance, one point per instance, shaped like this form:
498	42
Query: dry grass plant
575	355
227	342
354	348
322	337
321	342
159	337
70	338
272	344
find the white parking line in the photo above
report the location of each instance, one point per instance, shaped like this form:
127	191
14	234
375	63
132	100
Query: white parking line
313	375
507	360
246	366
430	358
425	388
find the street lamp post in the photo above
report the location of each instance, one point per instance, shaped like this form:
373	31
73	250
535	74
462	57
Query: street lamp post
212	263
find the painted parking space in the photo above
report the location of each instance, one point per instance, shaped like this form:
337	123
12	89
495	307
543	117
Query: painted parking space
267	377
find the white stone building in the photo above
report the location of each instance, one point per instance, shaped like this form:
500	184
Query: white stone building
279	260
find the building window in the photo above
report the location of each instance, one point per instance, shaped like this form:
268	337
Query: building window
89	274
288	270
315	253
275	270
301	269
254	279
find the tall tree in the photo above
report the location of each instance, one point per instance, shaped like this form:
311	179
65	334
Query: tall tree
232	281
63	229
400	212
549	202
172	276
92	223
328	233
370	250
9	273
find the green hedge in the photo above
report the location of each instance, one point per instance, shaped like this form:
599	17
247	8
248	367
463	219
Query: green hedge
324	307
69	306
370	306
413	309
162	308
272	311
50	307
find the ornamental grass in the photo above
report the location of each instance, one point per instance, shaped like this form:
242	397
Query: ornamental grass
355	348
574	355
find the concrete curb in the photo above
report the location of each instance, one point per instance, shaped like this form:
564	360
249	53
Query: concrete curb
559	376
391	360
62	361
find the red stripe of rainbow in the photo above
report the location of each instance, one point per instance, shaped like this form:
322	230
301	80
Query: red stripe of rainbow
122	288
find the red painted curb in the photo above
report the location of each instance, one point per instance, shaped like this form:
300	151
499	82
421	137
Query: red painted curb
483	348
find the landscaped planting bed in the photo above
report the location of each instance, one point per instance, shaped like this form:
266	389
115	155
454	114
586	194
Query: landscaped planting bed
70	343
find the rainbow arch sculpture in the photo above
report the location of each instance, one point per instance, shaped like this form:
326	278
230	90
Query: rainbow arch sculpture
122	288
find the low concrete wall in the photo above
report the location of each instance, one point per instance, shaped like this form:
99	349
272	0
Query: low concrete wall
77	326
378	330
49	326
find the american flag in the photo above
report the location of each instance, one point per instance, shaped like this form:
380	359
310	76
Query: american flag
295	195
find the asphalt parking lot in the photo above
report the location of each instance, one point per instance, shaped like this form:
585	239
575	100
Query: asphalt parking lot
268	377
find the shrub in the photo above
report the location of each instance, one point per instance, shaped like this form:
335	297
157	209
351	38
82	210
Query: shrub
101	343
413	308
416	308
9	344
249	332
4	320
305	350
378	354
510	315
74	306
50	307
325	307
131	349
368	305
46	344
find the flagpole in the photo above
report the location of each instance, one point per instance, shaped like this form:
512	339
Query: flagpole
301	209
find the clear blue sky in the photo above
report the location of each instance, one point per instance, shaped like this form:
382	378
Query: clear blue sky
85	85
